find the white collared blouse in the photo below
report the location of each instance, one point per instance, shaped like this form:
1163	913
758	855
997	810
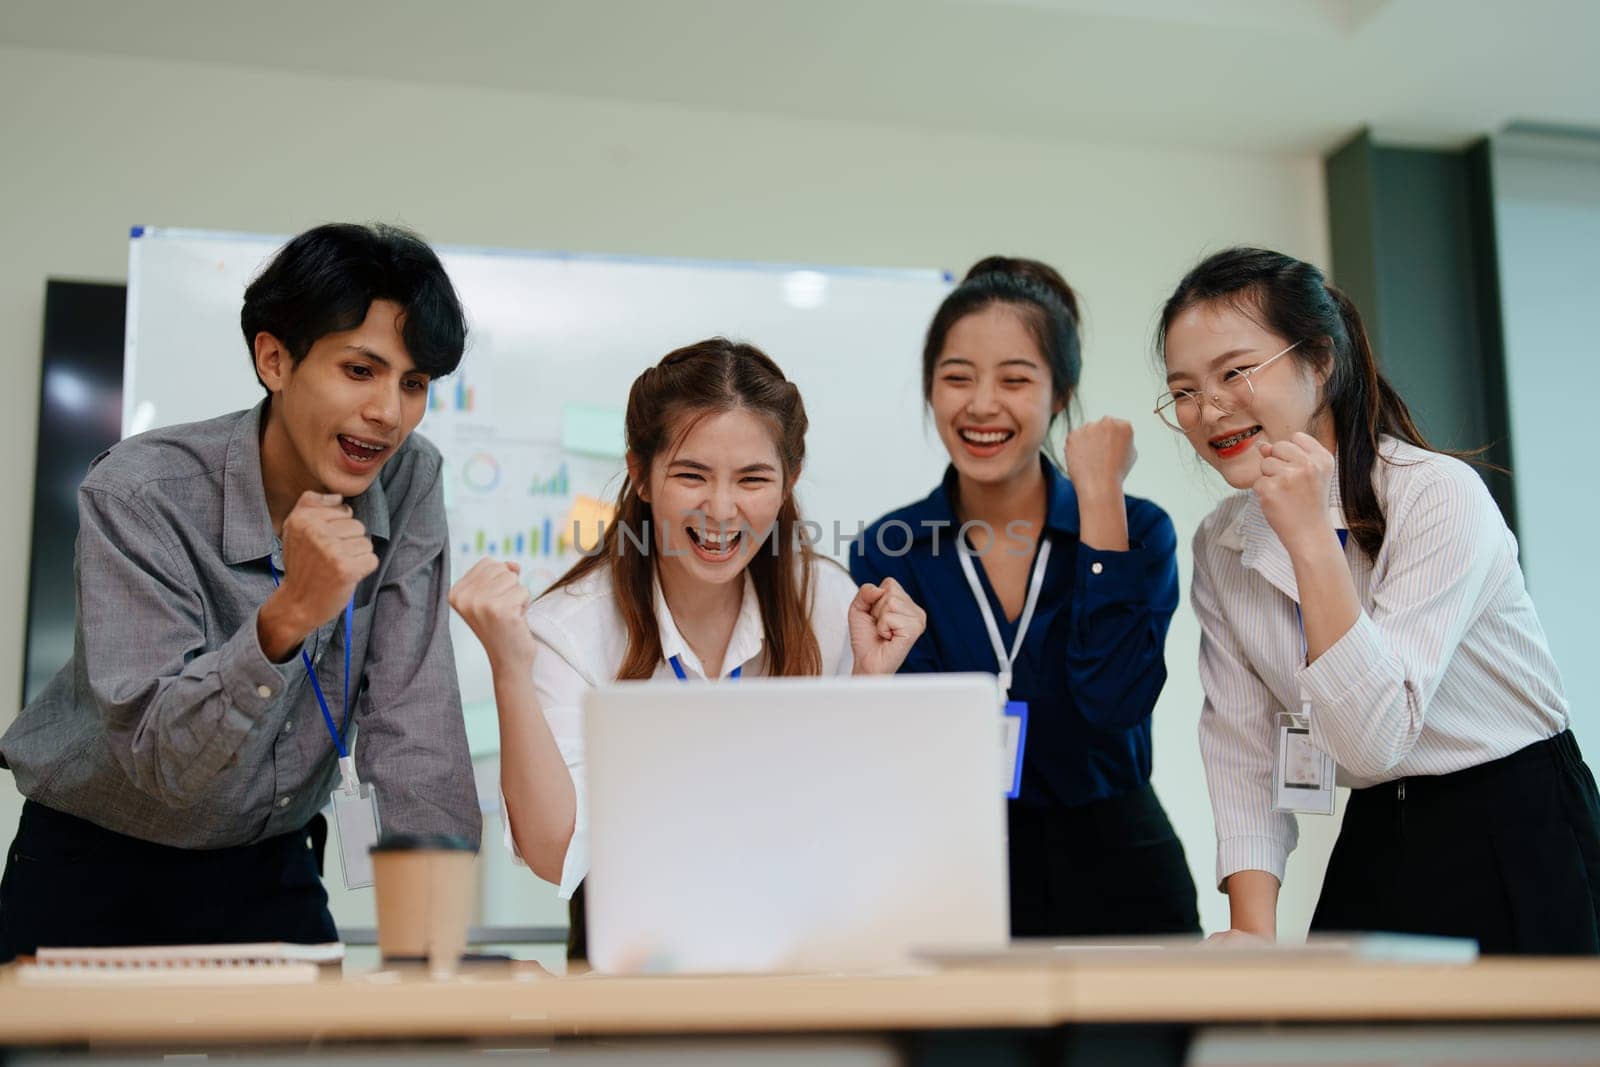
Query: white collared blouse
581	640
1446	668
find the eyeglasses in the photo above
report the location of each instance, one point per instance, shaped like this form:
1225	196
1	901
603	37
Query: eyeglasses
1180	408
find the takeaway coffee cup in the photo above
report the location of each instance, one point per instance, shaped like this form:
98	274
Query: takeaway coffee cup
424	884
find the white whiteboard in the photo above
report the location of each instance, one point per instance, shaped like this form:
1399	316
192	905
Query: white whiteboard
552	331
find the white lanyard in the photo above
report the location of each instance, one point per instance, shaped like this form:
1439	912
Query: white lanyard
1035	584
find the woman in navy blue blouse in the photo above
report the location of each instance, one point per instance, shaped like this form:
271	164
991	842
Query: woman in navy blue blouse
1086	574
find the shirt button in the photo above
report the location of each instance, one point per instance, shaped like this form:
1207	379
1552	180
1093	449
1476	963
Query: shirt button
288	727
263	691
1096	568
283	802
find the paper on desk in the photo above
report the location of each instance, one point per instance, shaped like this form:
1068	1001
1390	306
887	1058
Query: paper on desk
78	974
194	955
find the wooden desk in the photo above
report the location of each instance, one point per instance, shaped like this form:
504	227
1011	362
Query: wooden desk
532	1006
527	1004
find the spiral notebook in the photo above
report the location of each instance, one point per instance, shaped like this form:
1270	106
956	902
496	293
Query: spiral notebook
269	963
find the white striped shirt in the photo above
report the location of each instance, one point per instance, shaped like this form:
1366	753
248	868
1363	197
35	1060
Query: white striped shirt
1446	668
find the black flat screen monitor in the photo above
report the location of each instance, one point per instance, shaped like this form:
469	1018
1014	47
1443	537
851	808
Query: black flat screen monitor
80	416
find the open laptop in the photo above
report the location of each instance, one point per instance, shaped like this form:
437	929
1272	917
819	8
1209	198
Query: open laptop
794	824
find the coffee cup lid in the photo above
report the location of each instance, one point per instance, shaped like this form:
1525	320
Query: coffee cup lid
422	842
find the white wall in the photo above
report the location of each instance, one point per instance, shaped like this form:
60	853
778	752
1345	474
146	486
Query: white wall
94	144
1547	228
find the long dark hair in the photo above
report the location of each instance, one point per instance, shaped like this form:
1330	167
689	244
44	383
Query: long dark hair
1293	300
703	379
1043	298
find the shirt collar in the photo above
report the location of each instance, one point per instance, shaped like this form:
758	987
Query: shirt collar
744	644
938	507
246	523
372	507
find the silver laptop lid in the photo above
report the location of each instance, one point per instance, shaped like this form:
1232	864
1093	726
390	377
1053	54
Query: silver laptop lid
794	824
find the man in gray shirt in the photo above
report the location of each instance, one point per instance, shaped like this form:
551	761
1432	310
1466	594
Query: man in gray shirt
227	571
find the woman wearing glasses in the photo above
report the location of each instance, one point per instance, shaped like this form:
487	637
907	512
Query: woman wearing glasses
1062	588
1362	605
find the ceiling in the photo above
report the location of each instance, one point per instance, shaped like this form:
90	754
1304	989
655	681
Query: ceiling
1295	76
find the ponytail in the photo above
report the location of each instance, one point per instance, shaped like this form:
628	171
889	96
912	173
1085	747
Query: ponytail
1365	409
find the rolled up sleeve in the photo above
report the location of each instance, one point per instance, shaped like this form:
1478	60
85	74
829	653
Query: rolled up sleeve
1370	691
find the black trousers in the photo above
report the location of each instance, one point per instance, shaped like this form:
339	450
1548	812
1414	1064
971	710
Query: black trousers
1506	853
1110	868
70	884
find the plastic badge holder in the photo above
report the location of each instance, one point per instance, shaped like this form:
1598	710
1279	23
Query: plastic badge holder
1015	720
355	813
1303	781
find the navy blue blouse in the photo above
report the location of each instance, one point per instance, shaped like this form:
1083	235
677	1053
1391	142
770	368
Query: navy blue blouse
1091	666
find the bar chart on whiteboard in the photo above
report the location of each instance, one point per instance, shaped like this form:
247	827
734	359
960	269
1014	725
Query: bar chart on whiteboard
516	494
516	490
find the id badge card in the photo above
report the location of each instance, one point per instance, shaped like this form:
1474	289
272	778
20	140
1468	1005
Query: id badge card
355	818
1014	726
1304	776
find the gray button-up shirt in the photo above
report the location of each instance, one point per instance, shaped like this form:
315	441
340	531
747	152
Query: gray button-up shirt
170	724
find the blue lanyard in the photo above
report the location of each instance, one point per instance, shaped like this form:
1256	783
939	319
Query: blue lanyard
305	657
677	668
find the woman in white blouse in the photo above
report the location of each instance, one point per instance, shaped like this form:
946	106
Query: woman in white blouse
1367	580
702	576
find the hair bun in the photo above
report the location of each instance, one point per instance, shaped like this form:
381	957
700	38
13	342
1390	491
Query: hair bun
1030	270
